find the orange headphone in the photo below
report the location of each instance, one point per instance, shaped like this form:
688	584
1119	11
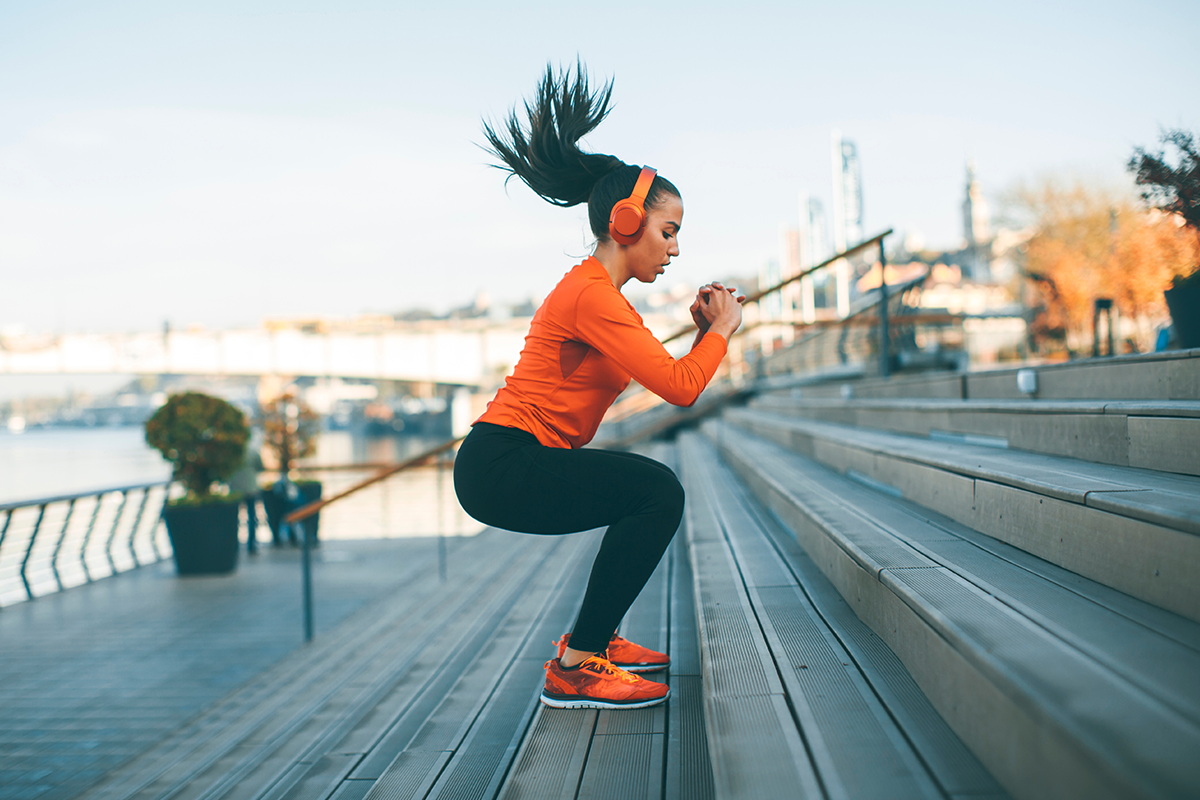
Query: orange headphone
628	216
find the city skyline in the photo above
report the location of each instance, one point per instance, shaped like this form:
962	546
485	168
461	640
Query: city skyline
220	167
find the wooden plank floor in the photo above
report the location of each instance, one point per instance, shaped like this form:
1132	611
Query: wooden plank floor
151	686
96	675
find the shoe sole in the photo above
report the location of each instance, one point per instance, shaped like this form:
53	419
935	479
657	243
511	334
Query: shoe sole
641	667
591	702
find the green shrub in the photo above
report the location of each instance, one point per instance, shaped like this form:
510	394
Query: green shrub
204	438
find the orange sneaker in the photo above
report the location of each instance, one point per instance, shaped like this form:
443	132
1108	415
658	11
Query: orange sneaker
626	655
596	683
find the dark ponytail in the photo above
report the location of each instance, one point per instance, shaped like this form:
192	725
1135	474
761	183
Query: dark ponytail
546	156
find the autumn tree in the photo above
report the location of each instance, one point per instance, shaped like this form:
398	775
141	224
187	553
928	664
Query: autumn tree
1092	242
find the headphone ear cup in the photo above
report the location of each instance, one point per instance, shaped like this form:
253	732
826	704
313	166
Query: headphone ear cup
626	222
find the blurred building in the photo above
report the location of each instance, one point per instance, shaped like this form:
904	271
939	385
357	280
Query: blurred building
814	248
847	212
977	237
847	194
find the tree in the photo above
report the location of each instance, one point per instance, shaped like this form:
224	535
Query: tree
290	429
1092	242
1171	189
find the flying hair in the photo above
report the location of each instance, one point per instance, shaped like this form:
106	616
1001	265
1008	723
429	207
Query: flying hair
545	155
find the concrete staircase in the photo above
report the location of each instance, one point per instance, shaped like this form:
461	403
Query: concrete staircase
942	586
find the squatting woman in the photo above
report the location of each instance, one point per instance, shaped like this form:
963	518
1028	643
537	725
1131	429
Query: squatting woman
524	467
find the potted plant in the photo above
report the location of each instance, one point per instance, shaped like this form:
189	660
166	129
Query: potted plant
1175	189
290	430
204	438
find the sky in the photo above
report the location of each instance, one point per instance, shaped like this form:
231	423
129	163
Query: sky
219	163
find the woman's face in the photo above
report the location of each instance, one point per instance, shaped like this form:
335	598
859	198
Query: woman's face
648	256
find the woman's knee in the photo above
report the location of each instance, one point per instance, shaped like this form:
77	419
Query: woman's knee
668	498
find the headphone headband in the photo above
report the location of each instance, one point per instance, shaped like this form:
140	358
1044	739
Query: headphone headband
628	216
642	187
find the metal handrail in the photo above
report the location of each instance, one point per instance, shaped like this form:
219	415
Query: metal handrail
306	511
759	295
63	498
53	544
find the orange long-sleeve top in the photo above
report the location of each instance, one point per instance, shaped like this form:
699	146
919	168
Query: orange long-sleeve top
584	345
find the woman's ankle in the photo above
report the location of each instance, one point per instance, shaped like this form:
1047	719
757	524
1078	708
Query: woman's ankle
573	658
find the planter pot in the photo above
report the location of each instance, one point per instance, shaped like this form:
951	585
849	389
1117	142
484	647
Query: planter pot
274	505
1184	303
204	538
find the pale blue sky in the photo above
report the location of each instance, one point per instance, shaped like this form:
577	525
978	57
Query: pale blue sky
223	163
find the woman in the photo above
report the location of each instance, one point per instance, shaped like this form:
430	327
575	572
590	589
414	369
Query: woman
521	468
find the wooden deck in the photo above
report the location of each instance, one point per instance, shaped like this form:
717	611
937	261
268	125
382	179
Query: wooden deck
152	686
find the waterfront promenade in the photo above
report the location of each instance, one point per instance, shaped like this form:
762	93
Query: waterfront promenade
937	585
97	675
149	685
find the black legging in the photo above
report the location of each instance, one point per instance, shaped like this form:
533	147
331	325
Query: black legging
505	478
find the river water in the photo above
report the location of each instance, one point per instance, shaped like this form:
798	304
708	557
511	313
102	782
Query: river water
52	462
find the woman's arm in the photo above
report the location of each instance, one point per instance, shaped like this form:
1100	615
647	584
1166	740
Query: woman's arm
604	320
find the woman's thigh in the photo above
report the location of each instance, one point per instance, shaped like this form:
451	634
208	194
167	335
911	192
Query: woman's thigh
536	489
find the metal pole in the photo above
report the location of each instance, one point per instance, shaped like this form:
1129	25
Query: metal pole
87	537
884	360
113	534
305	559
62	537
29	552
4	530
441	520
137	522
1109	316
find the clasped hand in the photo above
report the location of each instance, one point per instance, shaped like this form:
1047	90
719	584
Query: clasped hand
717	305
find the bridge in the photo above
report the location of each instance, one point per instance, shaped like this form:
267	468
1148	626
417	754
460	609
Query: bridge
468	353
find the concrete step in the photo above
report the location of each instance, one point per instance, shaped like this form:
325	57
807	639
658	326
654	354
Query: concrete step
1061	686
800	698
1135	530
1160	435
1170	375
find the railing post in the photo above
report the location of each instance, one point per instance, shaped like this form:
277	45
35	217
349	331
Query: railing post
884	360
439	465
137	520
61	538
160	520
29	551
87	537
4	530
113	533
843	357
305	550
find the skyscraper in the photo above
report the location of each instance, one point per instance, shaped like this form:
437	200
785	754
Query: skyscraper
814	234
847	194
814	248
789	261
847	211
976	228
